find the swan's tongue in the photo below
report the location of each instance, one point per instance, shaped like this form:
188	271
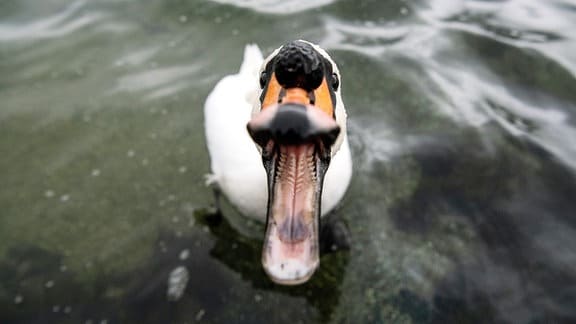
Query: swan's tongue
291	252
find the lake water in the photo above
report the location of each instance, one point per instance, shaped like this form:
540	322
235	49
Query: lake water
462	121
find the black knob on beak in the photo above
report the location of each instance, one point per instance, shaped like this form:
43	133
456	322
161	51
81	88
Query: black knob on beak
299	65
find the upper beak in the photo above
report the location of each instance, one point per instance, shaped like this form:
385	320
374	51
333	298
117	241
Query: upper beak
295	136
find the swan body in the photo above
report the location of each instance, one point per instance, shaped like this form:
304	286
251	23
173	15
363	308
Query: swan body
237	166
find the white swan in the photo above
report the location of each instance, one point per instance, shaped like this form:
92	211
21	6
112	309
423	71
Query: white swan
274	131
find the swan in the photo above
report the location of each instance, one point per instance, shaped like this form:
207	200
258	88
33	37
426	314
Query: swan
276	136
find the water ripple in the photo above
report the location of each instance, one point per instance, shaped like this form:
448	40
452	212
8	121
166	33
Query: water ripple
543	26
368	38
156	83
63	23
464	89
137	57
277	7
475	96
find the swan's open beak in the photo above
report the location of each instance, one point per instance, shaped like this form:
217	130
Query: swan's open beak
295	133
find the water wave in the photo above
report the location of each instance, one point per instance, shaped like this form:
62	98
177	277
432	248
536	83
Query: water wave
156	83
465	88
69	20
277	7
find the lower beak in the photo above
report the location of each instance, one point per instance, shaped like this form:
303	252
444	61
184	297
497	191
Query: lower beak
295	141
291	254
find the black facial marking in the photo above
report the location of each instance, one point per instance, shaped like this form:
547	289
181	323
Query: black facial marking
263	79
335	82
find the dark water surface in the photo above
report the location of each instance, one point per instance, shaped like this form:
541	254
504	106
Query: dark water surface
462	118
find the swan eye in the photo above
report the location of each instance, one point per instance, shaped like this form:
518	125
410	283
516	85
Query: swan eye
262	80
335	81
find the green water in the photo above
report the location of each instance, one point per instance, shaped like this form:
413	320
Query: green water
461	121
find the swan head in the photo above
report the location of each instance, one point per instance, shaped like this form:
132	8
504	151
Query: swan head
298	124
